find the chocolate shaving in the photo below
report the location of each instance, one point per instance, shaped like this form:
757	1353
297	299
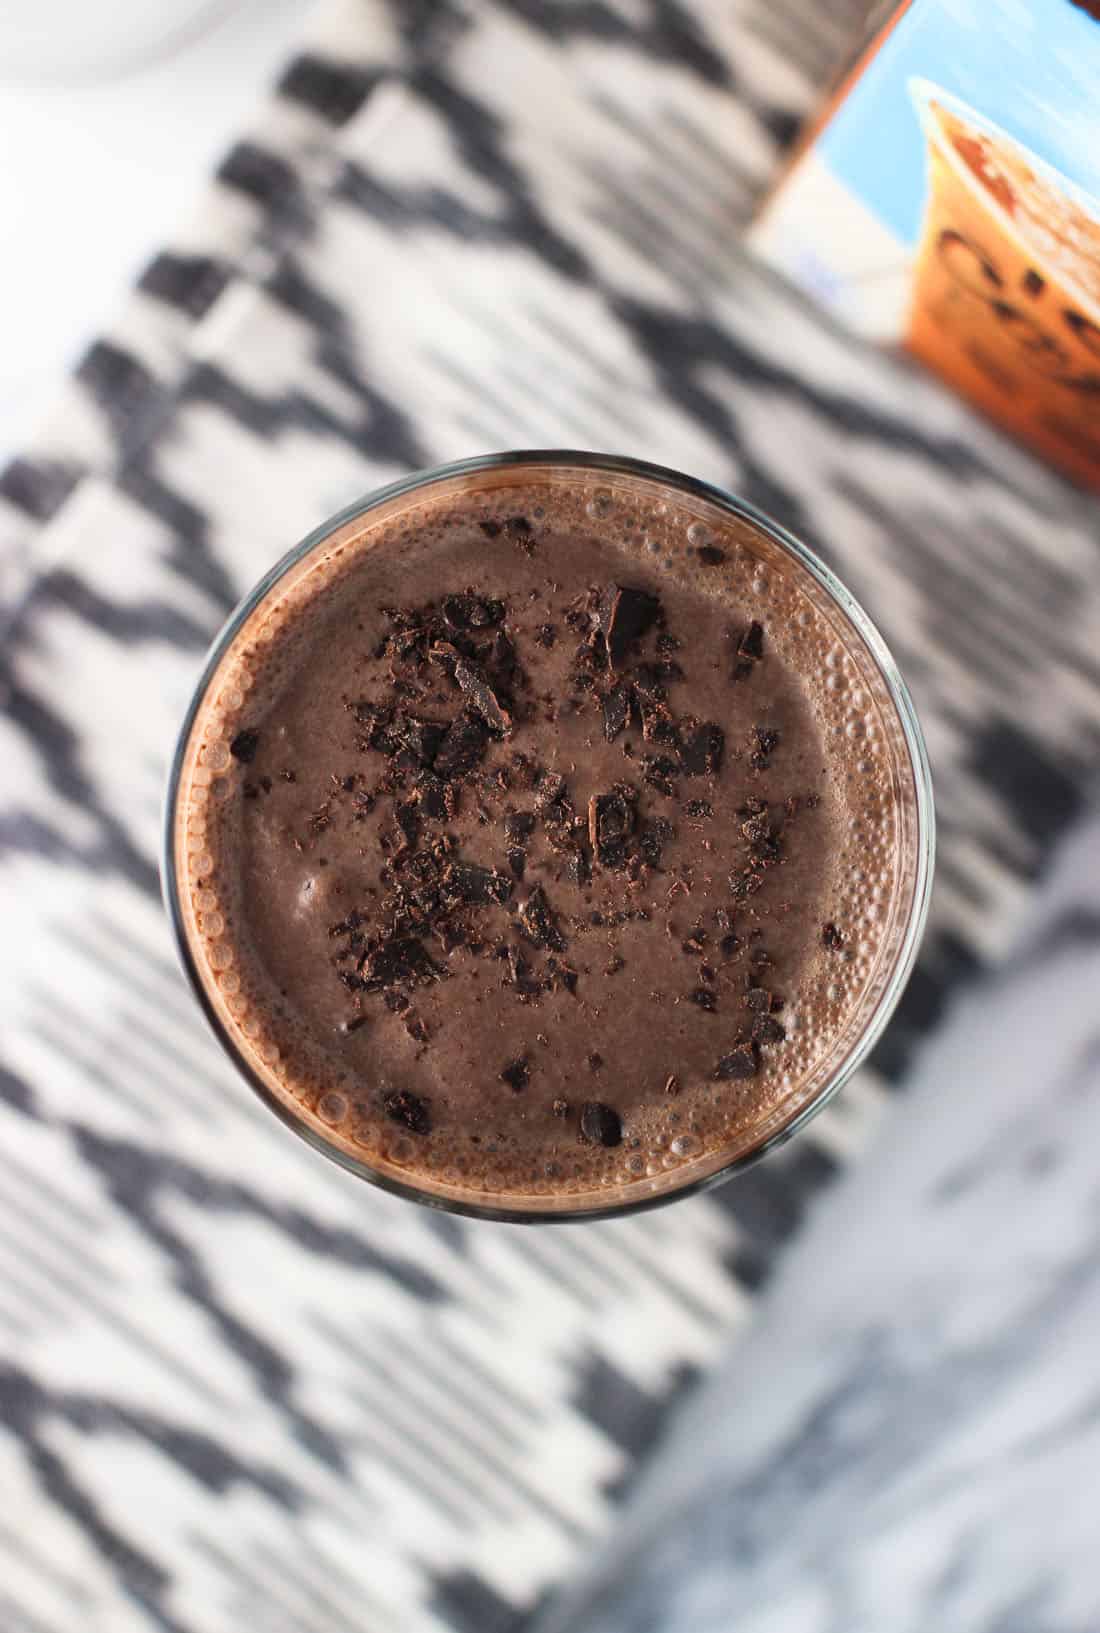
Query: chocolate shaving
244	745
710	555
701	750
481	697
560	1108
739	1063
616	711
518	825
462	748
832	937
658	771
757	998
537	921
465	612
517	1074
766	1029
400	958
410	1110
751	644
704	998
407	817
600	1124
474	886
517	861
611	819
623	617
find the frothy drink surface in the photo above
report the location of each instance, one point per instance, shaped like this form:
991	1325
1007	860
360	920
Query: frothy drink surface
544	840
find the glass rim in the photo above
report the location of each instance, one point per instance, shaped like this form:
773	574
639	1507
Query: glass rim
899	697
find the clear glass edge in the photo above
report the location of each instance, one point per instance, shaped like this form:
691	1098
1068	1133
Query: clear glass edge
911	730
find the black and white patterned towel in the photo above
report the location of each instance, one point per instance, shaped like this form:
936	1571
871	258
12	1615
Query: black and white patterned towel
236	1387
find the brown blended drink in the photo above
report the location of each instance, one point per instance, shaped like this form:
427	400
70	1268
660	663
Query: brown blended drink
549	835
1006	284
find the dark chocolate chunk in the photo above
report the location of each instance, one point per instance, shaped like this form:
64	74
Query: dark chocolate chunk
517	861
578	869
536	919
400	958
410	1110
438	800
419	739
395	1000
491	530
659	771
616	711
710	555
610	824
546	635
518	825
600	1124
832	937
701	750
550	789
751	644
766	1029
765	740
462	748
624	615
739	1063
407	816
698	808
654	837
481	697
353	1024
704	998
463	612
473	885
244	745
517	1074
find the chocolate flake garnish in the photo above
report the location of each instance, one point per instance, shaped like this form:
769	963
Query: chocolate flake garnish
698	808
537	921
832	937
623	617
481	697
546	635
616	711
696	941
672	1084
518	825
658	771
739	1063
751	644
757	998
704	998
766	1029
353	1025
517	1074
465	612
701	751
407	816
767	740
578	868
400	958
600	1124
462	748
745	883
473	885
610	823
244	745
517	861
560	1108
409	1110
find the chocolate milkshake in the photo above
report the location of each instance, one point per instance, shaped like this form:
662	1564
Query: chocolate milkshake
546	838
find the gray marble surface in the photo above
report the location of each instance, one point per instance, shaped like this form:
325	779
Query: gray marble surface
910	1440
